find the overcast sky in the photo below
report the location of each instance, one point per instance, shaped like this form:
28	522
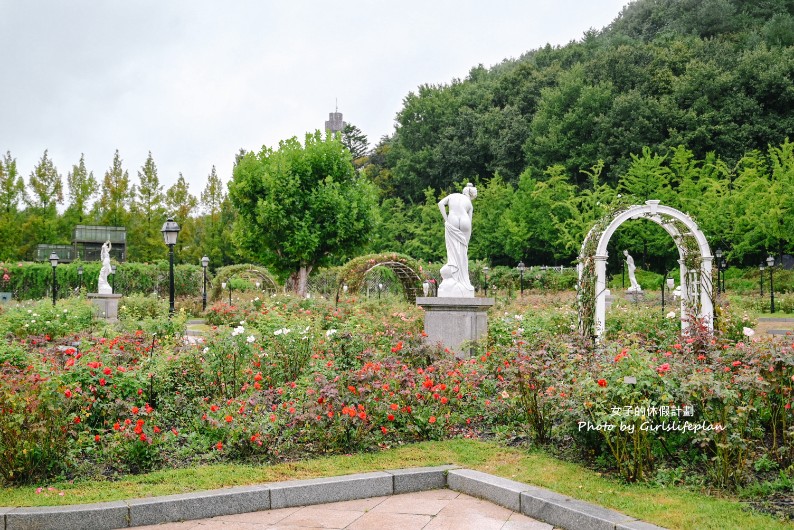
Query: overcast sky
193	82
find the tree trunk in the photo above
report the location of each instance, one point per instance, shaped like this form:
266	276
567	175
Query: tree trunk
303	280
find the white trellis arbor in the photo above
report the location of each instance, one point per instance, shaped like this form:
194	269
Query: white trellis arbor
694	258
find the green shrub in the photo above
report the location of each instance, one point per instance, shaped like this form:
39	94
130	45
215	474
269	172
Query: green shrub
142	306
14	354
42	318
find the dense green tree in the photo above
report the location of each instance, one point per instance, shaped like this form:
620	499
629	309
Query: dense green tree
12	186
46	186
145	242
302	205
356	142
181	204
533	222
46	192
12	196
82	187
488	234
425	227
112	208
212	231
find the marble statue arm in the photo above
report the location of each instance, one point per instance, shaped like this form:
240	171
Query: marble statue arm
442	205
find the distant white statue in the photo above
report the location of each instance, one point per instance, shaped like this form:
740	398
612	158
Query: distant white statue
457	226
635	287
104	286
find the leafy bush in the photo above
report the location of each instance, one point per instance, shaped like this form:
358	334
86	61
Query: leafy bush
139	307
42	318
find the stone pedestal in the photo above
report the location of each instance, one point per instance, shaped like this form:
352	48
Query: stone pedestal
107	305
451	321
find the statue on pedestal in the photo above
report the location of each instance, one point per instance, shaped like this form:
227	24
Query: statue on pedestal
455	281
635	287
104	286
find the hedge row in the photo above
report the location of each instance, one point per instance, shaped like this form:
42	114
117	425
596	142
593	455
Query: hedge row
30	281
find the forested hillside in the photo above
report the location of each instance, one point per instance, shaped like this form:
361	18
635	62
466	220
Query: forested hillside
686	101
679	100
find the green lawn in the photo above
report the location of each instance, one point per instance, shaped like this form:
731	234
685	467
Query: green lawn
667	507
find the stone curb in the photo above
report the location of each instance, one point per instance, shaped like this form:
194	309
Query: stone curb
538	503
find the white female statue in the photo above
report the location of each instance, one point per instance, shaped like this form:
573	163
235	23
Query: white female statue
457	225
104	286
635	287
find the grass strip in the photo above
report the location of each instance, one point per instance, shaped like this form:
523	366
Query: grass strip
674	508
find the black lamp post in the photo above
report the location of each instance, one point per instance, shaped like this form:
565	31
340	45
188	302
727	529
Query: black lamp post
54	262
521	268
770	263
80	276
170	231
718	254
380	288
724	265
204	262
485	274
113	282
761	276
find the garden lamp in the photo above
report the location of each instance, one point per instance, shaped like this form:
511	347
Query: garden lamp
770	264
170	231
54	262
204	262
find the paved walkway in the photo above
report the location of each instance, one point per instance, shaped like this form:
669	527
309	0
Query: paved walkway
427	510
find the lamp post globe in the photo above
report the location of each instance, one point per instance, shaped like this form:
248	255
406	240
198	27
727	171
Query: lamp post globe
54	262
170	232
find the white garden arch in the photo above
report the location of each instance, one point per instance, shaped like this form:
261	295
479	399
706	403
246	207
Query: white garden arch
694	258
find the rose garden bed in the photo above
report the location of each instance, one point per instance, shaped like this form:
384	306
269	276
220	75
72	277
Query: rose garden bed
283	379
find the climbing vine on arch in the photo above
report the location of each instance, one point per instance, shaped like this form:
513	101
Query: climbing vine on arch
695	280
408	270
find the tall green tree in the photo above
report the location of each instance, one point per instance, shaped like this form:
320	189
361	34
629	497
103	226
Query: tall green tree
302	205
82	186
113	206
487	240
46	192
211	228
145	240
12	186
181	204
356	142
12	195
46	185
